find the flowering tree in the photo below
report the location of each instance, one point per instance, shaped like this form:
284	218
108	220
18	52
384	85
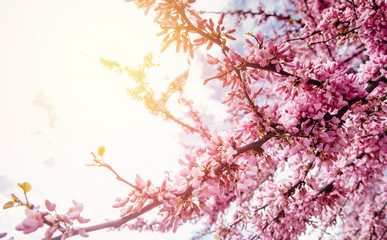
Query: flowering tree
306	140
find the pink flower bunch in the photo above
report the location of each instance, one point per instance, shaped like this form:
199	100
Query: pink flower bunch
269	53
136	199
55	222
305	145
198	188
373	22
64	222
307	133
33	221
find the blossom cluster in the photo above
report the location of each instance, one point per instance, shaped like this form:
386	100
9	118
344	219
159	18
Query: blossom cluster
306	107
56	222
63	223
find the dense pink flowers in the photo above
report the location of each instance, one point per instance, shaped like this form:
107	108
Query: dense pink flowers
296	102
305	143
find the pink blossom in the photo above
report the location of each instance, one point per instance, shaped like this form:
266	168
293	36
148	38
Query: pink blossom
50	206
75	212
33	221
140	183
212	60
83	233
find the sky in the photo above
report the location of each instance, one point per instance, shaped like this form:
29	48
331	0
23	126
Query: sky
58	103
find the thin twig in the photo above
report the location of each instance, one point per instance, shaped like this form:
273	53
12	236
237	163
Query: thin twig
255	145
272	68
252	105
119	178
339	34
371	86
381	210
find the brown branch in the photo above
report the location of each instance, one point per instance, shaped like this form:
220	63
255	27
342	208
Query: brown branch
255	145
272	68
192	27
339	34
381	210
291	190
260	208
275	219
371	86
355	55
114	223
303	38
252	105
327	188
252	14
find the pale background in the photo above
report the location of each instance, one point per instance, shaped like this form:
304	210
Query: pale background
58	103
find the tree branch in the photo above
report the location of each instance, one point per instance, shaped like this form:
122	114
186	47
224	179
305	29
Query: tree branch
271	68
255	145
193	28
119	178
339	34
381	210
371	86
114	223
252	104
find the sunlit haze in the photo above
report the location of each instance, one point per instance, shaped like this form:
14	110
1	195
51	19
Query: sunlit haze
58	103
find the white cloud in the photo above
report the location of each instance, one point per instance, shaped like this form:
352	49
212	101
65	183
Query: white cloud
42	101
5	184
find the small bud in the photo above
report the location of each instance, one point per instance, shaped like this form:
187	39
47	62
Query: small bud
50	206
83	233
